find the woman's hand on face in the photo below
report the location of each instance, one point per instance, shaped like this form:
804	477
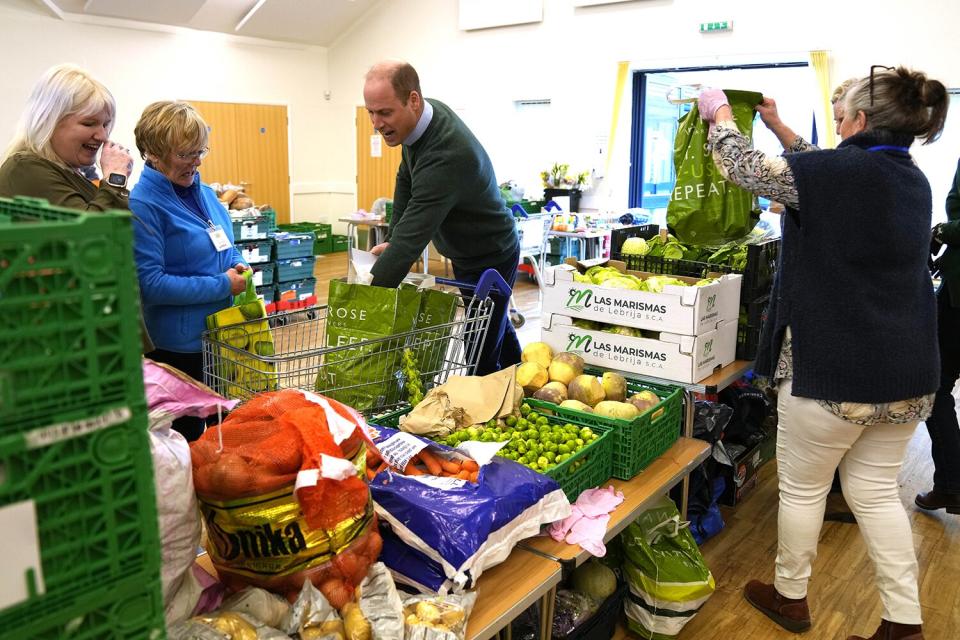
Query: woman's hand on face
238	284
115	159
768	112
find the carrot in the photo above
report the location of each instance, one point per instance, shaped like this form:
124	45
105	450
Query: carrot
382	467
373	458
371	474
450	466
431	462
411	469
470	465
474	477
463	475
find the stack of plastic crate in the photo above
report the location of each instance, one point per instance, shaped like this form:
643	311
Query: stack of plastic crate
253	237
296	285
78	515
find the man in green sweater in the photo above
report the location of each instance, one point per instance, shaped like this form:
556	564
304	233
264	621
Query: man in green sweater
447	192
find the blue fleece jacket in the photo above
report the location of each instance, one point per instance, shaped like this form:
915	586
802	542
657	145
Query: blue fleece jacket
182	277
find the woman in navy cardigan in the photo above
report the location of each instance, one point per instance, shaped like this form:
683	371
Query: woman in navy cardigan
850	339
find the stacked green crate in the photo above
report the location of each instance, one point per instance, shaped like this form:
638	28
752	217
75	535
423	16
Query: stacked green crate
340	243
74	449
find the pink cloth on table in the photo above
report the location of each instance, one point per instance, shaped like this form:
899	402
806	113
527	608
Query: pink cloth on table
587	522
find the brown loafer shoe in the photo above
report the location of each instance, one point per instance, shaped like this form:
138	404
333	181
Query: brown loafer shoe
936	499
894	631
791	614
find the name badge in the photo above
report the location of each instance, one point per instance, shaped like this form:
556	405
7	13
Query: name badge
219	238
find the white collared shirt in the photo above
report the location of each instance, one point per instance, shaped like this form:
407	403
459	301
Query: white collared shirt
422	124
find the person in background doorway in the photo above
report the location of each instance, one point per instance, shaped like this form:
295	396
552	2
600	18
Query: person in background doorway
446	191
942	423
183	241
67	122
850	336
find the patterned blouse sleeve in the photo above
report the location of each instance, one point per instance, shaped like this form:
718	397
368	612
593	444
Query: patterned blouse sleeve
755	171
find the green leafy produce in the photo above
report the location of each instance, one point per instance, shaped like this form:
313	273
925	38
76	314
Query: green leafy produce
630	332
595	580
414	385
621	282
634	247
531	439
587	324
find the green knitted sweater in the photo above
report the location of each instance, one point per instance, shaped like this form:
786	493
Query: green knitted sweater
446	192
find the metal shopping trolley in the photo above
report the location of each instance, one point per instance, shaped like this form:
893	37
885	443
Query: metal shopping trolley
299	357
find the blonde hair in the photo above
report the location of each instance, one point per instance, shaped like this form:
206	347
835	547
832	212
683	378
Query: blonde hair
170	125
842	89
62	91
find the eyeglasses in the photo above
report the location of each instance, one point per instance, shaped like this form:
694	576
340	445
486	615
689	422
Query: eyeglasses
872	68
194	155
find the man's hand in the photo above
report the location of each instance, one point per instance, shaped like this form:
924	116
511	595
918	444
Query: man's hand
380	248
240	267
768	113
238	284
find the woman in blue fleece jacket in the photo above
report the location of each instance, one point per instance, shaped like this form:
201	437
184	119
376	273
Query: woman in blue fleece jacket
183	241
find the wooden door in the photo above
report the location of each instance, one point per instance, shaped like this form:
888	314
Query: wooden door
376	175
248	145
262	155
221	164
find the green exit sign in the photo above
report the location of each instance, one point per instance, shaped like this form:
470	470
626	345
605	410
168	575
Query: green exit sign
710	27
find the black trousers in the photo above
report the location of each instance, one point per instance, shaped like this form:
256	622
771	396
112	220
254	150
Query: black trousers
942	423
502	348
191	364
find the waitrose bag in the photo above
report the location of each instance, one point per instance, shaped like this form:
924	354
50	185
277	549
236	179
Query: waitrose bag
704	208
437	308
668	578
365	376
243	375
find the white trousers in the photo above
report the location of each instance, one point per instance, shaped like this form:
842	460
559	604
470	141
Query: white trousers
811	444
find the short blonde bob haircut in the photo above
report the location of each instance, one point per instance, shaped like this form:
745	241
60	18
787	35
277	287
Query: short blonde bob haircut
62	91
170	126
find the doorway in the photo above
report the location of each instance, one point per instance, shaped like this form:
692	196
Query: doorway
377	163
248	146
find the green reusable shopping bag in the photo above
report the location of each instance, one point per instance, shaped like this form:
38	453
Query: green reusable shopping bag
437	308
704	208
668	578
365	376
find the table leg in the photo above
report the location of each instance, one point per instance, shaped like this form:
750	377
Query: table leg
546	614
689	414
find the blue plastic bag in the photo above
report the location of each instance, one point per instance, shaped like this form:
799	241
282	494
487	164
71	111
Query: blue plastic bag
454	529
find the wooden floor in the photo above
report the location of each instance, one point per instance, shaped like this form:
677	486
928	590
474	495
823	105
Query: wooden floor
843	599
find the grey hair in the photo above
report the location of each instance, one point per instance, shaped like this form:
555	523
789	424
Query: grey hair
63	90
904	101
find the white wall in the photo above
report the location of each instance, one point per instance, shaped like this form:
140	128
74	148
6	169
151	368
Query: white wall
571	58
141	66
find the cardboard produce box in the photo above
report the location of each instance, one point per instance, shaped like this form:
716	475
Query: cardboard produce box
689	311
677	357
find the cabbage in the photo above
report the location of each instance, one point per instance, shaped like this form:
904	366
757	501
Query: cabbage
602	276
595	580
629	332
634	247
705	282
655	284
586	324
620	282
577	277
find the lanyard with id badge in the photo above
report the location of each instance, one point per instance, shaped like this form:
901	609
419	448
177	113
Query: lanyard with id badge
218	237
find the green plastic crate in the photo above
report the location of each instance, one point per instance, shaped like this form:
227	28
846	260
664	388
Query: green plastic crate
323	235
637	442
129	609
69	307
321	247
339	243
94	511
271	217
250	228
597	456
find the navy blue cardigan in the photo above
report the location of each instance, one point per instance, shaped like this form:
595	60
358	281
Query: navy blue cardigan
853	283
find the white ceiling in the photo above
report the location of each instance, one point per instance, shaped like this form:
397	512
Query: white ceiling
315	22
